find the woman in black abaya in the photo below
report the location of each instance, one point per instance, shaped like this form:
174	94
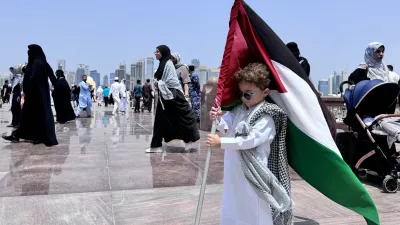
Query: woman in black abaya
37	120
62	99
174	119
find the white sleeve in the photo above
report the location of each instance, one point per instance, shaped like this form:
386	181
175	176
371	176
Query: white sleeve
111	89
225	123
261	132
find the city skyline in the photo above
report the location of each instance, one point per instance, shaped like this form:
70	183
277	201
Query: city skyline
331	86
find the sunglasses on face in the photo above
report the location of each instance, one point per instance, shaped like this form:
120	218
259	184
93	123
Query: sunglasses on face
246	95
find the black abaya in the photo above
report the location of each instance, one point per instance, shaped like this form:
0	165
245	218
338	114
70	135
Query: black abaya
37	120
62	101
16	105
176	121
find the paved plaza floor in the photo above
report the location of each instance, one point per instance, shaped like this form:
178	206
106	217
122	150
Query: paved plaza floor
99	174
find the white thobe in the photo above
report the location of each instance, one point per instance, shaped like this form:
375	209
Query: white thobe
393	77
99	93
115	90
241	204
124	103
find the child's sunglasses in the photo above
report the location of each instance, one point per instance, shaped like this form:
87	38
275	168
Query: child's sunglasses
246	95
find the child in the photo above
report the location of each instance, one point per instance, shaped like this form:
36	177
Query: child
242	204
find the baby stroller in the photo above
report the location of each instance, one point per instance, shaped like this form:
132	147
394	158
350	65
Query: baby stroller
363	148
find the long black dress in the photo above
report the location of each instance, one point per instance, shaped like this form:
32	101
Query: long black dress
16	105
37	120
62	101
176	121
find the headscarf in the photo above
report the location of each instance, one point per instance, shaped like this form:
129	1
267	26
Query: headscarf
376	70
99	90
59	74
165	56
15	77
179	63
35	52
294	49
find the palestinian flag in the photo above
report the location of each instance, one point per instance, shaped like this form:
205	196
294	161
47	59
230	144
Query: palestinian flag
312	151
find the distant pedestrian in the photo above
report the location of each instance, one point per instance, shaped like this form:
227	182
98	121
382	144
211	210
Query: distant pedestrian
124	99
99	94
115	94
393	76
194	92
106	93
182	71
85	99
137	91
296	52
62	99
147	96
16	96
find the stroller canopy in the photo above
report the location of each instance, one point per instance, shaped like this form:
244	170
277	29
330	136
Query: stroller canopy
372	98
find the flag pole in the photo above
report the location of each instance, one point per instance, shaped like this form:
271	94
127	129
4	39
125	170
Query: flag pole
204	181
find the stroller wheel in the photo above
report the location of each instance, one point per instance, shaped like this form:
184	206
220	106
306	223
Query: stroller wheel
390	184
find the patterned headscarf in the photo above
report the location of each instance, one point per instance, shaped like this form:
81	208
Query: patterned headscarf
179	63
376	70
177	56
15	77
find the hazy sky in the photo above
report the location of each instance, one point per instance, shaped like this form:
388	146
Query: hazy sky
103	33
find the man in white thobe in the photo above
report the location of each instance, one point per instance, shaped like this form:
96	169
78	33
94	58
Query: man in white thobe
124	102
99	94
115	91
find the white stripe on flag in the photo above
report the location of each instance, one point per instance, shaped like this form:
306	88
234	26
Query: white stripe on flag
302	107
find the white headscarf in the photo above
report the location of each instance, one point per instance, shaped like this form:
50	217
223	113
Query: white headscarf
178	64
15	77
376	70
99	90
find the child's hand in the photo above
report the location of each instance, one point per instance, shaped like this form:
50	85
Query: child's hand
213	141
215	113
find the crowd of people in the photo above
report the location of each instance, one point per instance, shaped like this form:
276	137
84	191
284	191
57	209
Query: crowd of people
176	95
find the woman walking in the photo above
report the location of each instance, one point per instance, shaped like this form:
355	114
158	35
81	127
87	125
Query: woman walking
174	118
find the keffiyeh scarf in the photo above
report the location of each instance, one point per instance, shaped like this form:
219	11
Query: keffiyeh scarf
272	183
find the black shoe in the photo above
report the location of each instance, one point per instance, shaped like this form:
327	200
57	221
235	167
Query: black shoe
11	138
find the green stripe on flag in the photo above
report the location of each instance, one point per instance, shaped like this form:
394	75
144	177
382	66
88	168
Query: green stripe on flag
323	169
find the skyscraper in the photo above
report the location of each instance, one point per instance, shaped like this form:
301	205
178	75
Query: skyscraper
121	72
96	77
112	76
128	81
323	87
70	77
338	81
140	70
196	63
61	65
133	75
149	69
80	72
86	69
105	81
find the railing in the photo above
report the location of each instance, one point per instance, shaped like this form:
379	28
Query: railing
335	105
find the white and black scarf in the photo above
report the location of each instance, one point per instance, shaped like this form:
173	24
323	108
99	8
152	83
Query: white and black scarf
272	183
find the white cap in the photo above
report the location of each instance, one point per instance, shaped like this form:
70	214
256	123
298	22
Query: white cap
116	79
